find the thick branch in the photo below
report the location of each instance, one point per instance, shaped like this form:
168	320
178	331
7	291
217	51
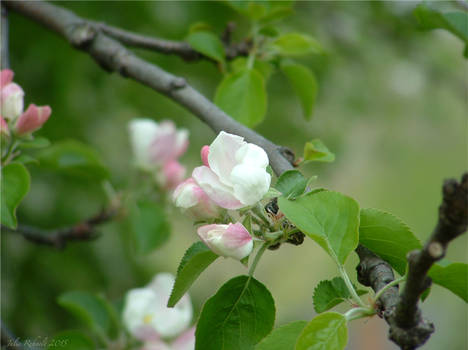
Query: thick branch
82	231
114	57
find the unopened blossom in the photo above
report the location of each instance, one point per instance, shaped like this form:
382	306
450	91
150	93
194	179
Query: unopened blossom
4	127
32	119
11	96
236	174
147	316
155	144
171	174
192	199
231	240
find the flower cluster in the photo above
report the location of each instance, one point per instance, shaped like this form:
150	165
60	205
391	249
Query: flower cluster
234	176
12	116
156	148
148	319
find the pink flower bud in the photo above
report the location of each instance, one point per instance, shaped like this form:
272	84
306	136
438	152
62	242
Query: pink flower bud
169	143
6	77
4	127
171	174
32	119
204	155
231	240
191	198
11	100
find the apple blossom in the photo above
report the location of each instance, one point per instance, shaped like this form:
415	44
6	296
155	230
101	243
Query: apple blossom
147	316
191	198
155	144
236	174
11	96
231	240
32	119
185	341
170	175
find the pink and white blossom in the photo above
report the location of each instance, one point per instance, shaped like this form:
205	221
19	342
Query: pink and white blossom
235	175
147	316
32	119
231	240
171	174
192	199
155	144
11	97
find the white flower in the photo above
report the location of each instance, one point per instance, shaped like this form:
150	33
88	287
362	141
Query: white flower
236	174
191	198
146	314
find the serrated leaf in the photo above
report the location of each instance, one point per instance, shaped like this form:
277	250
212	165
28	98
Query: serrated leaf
454	277
327	331
304	84
282	338
91	309
71	340
242	95
196	259
296	44
238	316
455	22
208	44
149	225
388	237
316	151
75	159
291	183
329	218
15	182
328	294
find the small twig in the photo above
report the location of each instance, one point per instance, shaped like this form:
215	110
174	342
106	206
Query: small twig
5	57
82	231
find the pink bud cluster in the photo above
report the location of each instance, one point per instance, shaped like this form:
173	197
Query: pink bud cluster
157	147
233	176
12	114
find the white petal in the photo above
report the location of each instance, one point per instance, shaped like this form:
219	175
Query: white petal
138	307
142	134
252	155
250	183
222	156
218	192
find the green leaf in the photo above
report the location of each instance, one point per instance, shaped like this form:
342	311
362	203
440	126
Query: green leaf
304	84
15	182
208	44
242	95
291	183
91	309
71	340
328	294
200	27
196	259
277	13
272	193
263	67
327	331
316	151
296	44
74	159
238	316
455	22
453	277
329	218
26	159
36	142
282	338
388	237
149	226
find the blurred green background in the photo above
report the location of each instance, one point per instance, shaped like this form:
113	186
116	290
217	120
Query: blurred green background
392	105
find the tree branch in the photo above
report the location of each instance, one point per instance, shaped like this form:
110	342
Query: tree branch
5	60
114	57
82	231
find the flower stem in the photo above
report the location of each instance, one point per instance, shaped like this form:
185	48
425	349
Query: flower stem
358	312
257	258
389	285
